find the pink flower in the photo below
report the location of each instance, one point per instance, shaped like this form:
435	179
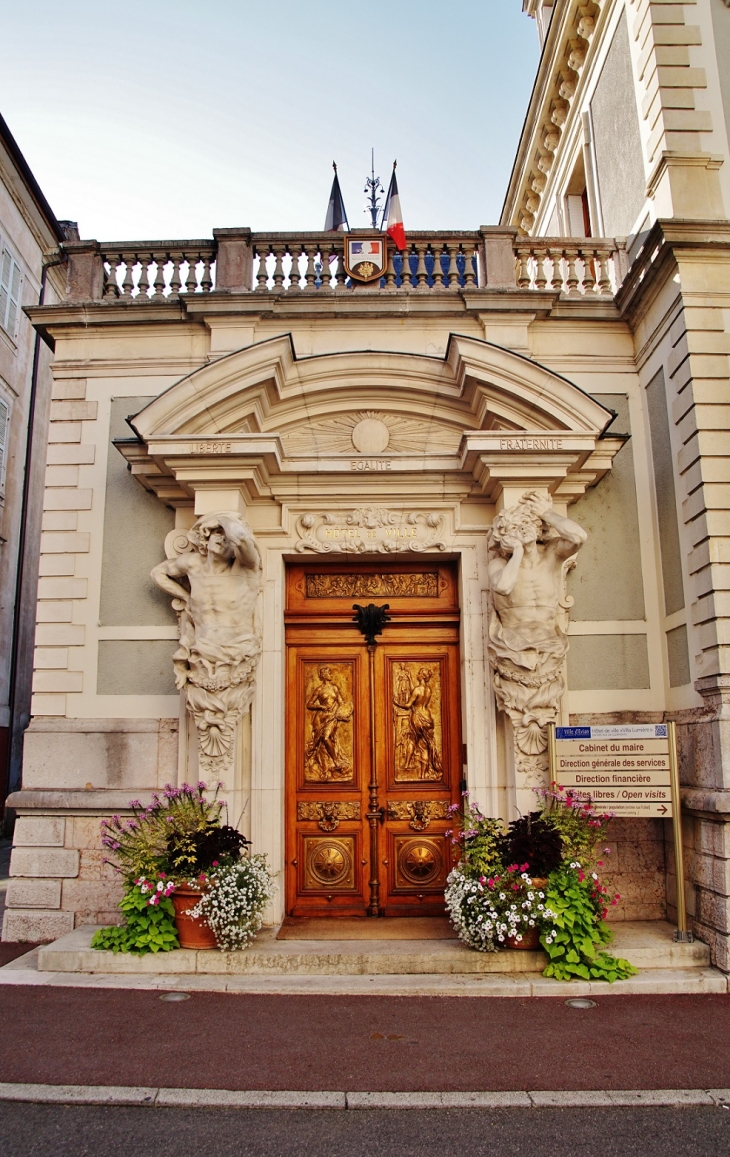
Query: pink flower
154	899
581	874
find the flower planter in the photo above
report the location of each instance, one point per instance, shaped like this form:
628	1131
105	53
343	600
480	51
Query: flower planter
191	932
530	939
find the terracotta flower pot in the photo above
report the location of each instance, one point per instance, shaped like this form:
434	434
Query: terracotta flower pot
530	939
191	933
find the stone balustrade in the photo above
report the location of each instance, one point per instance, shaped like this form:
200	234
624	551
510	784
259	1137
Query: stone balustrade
154	269
239	261
315	261
568	265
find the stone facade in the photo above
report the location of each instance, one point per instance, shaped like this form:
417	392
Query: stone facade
404	420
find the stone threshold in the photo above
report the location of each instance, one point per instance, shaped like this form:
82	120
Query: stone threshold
648	945
150	1097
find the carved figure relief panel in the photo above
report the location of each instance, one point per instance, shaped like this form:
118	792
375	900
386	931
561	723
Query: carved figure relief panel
416	696
328	710
413	585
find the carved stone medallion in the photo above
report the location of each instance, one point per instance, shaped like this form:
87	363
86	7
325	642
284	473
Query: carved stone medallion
417	738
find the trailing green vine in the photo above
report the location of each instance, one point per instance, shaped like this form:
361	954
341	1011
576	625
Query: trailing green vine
578	935
149	920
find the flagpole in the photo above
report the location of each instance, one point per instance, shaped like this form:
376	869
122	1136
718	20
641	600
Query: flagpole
387	199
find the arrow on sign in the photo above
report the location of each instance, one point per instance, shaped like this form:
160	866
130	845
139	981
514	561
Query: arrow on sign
662	809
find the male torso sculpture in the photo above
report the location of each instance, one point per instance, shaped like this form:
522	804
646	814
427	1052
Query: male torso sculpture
220	640
527	640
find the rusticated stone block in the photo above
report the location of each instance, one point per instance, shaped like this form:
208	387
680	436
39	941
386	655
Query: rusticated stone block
714	838
713	910
33	894
90	897
44	862
93	866
39	832
36	925
84	832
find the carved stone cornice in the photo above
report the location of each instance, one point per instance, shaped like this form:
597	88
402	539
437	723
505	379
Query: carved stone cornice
566	53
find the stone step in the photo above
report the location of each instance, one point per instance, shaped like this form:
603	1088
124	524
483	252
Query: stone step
648	945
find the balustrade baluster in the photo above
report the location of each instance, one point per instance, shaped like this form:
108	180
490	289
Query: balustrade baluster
310	273
571	281
338	248
470	278
191	277
325	273
206	281
604	276
158	285
130	260
438	272
295	273
540	257
111	285
278	251
262	276
589	280
390	271
453	270
175	281
421	270
406	277
523	268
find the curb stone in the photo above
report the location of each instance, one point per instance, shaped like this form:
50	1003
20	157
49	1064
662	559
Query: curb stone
295	1099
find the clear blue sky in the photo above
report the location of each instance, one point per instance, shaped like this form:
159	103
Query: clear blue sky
165	118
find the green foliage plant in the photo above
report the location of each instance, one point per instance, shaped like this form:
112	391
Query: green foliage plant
149	920
576	940
578	823
145	844
477	837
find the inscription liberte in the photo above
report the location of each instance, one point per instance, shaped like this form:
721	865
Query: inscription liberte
370	464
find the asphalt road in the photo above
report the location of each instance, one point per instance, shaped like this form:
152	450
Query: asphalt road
61	1035
75	1131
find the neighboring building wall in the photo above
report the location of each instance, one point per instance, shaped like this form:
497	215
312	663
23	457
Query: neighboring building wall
28	231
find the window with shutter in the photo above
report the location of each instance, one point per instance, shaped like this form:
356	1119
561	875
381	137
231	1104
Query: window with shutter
4	429
10	282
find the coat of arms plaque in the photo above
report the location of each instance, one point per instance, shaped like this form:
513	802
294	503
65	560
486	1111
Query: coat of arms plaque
366	256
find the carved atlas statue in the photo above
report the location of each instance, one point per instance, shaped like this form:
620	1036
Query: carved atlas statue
215	584
532	548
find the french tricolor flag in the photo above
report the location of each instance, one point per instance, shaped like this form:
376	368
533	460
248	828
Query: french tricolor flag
336	218
392	215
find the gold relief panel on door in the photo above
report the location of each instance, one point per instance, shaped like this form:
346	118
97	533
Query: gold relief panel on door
417	730
420	862
328	723
329	864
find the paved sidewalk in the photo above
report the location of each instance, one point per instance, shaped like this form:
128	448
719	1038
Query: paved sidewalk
220	1041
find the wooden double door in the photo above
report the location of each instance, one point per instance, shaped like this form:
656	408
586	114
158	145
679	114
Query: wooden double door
374	756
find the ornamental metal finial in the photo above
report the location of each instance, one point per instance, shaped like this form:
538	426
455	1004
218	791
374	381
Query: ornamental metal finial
373	186
371	620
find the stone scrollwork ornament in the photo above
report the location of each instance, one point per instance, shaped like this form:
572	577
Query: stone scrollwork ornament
215	583
532	550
